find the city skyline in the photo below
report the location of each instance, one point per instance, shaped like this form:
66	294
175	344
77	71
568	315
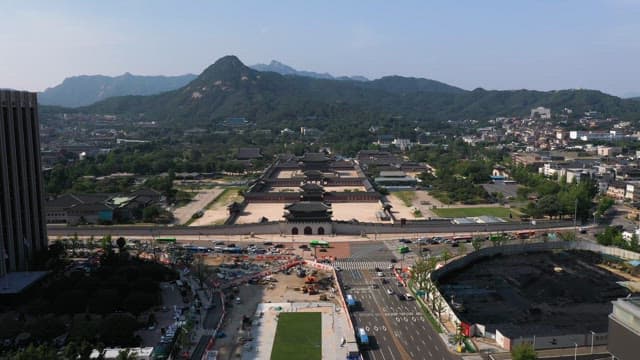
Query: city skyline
499	45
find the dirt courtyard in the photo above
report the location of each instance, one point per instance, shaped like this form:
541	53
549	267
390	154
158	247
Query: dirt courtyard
283	290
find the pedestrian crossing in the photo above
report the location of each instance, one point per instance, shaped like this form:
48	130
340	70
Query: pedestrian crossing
357	264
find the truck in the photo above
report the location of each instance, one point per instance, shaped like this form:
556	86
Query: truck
363	338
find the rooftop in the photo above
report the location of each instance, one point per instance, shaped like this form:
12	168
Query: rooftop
16	282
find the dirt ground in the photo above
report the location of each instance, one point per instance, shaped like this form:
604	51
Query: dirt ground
218	212
204	197
364	212
254	212
400	210
282	291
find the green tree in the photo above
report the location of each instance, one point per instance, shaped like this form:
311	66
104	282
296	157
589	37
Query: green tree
523	352
476	243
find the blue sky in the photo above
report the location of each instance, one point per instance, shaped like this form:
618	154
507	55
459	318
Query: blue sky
554	44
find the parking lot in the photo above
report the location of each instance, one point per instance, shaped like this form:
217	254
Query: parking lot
397	328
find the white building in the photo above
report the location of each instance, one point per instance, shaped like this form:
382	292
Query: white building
541	112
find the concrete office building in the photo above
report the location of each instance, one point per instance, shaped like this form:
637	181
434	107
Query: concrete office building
624	328
22	222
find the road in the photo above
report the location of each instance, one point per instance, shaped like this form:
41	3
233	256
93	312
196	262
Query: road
435	227
397	328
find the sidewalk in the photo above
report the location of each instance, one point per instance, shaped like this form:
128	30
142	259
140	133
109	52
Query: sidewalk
584	350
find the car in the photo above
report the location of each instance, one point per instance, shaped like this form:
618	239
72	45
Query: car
323	250
389	292
405	241
384	281
377	269
278	246
408	296
303	246
400	296
219	243
393	260
375	286
423	241
455	244
338	268
268	243
380	274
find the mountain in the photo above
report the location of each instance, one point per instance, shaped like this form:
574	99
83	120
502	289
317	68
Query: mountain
87	89
229	88
283	69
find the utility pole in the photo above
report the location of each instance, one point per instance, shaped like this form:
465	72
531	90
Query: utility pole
575	219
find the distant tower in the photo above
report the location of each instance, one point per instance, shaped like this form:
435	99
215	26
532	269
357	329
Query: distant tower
22	225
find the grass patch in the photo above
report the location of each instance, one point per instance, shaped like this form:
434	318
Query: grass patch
417	213
298	336
475	211
405	196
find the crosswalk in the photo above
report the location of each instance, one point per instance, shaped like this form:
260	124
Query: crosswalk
357	264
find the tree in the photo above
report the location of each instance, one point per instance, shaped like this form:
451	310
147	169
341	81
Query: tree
446	255
523	352
477	244
633	243
121	242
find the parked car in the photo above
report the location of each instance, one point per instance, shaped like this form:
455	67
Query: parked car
268	243
380	274
389	292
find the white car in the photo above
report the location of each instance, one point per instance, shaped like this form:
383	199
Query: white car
389	292
380	274
390	267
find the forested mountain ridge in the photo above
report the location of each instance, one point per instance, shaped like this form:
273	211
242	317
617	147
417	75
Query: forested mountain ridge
229	88
85	90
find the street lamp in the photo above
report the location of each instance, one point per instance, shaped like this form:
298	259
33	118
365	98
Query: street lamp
575	352
592	336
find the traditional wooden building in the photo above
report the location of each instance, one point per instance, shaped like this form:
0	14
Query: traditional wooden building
308	218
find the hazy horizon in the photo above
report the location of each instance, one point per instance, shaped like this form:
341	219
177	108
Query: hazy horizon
494	45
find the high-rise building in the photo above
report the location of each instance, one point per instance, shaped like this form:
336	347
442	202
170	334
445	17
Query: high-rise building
22	222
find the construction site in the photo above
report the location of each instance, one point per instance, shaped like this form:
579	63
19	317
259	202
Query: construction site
549	298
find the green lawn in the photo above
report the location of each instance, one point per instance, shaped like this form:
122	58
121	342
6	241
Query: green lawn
405	196
475	211
298	336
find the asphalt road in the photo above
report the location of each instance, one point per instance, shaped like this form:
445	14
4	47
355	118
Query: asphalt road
425	227
397	328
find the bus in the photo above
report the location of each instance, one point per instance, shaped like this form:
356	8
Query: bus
462	238
166	240
525	234
351	302
363	338
403	249
319	243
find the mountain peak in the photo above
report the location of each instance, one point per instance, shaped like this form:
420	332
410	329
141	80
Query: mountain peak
227	68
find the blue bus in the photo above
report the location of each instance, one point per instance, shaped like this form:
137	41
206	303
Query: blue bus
351	302
363	338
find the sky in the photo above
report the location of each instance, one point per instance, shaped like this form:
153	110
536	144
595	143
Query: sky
542	44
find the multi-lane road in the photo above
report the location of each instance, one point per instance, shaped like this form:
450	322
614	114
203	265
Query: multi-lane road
195	231
397	328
